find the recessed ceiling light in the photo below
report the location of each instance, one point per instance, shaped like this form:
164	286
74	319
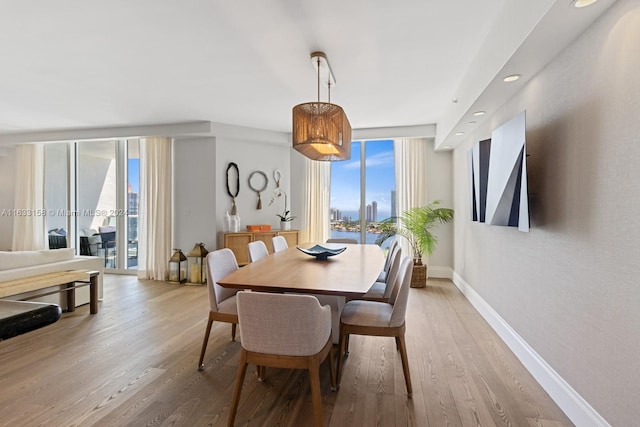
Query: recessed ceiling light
582	3
459	133
446	147
479	113
512	78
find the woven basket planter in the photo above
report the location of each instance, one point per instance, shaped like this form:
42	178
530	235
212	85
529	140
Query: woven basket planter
419	277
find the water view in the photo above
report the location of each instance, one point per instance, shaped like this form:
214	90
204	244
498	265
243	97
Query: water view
370	237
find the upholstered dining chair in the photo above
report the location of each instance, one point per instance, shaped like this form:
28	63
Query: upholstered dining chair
222	301
380	319
279	243
257	250
342	240
387	262
284	331
381	291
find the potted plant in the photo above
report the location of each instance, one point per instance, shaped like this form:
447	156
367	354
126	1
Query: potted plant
285	220
416	225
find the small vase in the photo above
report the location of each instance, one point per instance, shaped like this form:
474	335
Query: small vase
285	225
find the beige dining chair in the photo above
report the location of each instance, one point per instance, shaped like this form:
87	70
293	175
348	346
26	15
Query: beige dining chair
382	277
222	301
279	243
382	319
381	291
257	250
284	331
342	240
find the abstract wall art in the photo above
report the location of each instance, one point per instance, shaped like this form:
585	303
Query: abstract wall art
498	177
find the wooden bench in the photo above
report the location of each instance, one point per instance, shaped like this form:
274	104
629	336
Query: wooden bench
71	279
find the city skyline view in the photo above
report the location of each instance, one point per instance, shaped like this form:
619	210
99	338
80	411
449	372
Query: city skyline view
379	181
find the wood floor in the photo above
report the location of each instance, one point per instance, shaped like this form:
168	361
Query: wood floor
135	364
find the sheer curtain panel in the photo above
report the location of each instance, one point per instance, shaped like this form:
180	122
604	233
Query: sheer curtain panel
156	204
411	177
29	229
316	201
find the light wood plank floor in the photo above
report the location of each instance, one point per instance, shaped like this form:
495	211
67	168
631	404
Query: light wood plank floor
134	364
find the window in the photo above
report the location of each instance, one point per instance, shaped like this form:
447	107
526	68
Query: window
133	201
363	193
56	200
91	196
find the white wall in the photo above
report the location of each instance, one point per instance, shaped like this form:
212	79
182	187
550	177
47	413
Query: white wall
194	193
265	156
440	187
569	287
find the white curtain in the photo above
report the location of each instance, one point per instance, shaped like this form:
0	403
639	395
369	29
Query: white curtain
156	204
29	227
316	201
410	156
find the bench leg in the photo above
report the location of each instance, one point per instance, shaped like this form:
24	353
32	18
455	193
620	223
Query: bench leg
93	293
71	297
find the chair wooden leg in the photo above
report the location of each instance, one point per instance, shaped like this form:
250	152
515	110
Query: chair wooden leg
316	396
204	344
233	331
260	372
346	346
242	370
332	370
405	364
341	344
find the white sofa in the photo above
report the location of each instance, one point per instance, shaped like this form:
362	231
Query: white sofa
21	264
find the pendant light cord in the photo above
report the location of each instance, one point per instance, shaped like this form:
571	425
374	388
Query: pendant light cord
328	83
318	62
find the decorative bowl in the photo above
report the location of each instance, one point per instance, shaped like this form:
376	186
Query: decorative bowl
320	252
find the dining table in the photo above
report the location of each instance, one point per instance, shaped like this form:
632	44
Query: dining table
349	274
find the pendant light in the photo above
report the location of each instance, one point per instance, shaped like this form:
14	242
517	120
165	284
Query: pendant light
321	130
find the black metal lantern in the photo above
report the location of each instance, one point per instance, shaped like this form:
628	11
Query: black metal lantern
178	267
198	264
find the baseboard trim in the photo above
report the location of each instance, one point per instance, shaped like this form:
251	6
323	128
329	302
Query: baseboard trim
574	406
439	272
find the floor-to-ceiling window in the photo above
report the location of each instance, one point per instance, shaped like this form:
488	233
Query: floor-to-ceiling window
363	193
93	189
133	201
96	198
59	223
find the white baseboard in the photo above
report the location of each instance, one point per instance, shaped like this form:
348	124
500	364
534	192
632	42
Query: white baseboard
439	272
574	406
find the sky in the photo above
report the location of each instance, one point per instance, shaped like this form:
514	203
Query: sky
133	170
380	179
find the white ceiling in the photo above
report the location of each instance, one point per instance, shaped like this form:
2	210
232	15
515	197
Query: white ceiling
94	64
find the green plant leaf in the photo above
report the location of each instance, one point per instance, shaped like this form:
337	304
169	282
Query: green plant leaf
416	226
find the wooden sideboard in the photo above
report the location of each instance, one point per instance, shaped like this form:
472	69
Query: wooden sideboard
238	242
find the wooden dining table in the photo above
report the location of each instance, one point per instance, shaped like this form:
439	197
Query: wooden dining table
348	274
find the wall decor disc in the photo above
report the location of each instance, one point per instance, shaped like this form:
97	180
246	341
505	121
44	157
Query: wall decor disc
256	187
